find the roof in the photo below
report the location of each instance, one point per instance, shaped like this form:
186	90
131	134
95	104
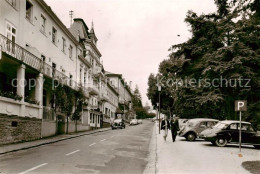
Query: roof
203	119
233	121
83	22
55	18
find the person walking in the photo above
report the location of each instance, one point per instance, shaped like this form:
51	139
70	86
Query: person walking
174	127
165	125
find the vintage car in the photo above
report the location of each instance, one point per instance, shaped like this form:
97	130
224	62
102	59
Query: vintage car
195	126
228	132
139	121
133	122
118	124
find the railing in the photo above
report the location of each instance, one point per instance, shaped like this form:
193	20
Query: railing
20	53
23	55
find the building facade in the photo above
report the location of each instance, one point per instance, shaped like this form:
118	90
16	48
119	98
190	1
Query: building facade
125	95
38	53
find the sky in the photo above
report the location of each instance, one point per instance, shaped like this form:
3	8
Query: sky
134	35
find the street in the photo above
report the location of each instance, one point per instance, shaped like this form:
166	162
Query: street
114	151
136	149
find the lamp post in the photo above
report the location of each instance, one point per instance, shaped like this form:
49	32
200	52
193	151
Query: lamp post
159	89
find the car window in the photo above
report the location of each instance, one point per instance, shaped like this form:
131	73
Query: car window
250	129
244	127
203	124
233	126
210	124
221	125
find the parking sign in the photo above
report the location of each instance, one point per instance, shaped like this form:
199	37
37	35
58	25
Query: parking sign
240	105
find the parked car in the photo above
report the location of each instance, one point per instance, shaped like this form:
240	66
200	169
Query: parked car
133	122
139	121
228	132
182	122
194	127
118	124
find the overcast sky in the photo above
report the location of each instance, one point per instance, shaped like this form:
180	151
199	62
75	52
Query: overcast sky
134	35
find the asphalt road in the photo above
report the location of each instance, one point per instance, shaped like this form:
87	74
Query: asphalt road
115	151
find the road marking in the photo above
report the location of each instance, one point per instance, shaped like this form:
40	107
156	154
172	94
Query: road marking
103	140
36	167
72	152
92	144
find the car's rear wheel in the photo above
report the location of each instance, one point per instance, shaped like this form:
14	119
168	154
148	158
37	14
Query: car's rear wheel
257	146
221	142
190	136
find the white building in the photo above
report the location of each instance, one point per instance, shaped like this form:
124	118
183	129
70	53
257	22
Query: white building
125	95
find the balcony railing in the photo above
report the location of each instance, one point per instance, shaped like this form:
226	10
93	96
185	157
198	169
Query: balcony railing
20	53
26	57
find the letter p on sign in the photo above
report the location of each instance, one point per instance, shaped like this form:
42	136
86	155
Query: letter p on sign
240	105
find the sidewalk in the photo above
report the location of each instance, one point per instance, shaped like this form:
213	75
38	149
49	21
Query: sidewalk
27	145
195	157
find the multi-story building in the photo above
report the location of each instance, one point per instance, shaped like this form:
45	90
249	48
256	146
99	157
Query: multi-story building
125	95
109	97
37	53
36	50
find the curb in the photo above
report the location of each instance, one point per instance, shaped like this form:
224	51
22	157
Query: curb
51	142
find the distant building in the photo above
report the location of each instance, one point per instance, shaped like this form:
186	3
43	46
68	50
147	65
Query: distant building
125	95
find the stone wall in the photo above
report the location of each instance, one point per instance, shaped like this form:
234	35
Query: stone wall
49	128
16	129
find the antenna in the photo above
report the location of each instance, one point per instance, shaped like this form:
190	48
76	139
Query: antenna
71	16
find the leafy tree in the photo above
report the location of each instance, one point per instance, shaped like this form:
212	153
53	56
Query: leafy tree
223	45
79	103
137	98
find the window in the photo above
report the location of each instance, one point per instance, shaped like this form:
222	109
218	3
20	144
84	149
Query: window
80	74
85	74
12	3
29	10
63	44
233	126
11	35
43	23
70	80
70	51
43	58
54	35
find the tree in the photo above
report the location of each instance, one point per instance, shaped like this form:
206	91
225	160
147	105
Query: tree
223	45
137	98
79	103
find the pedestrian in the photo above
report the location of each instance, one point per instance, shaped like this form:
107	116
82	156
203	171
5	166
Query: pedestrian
165	125
174	127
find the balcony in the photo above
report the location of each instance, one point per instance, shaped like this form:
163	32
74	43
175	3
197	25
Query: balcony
104	97
96	71
93	89
24	56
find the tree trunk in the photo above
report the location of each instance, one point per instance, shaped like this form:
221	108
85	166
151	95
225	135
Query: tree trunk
67	130
76	128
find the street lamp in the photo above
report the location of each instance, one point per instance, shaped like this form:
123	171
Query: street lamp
159	89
